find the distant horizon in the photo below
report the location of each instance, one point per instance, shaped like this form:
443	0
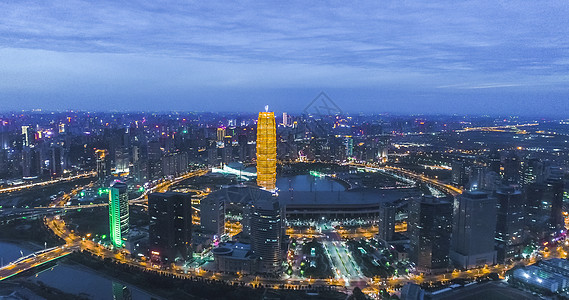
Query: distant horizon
290	113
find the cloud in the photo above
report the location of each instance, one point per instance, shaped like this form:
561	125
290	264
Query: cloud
253	44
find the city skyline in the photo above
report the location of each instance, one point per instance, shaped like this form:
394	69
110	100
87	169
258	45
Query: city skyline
378	206
391	57
370	150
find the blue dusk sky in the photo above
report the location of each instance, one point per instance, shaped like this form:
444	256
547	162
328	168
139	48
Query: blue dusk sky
443	57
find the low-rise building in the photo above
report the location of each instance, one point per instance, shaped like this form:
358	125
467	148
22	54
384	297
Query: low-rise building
539	278
234	257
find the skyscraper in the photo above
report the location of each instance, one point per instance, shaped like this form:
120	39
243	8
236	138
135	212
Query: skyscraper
27	135
512	168
266	233
510	223
473	230
349	146
55	163
554	195
266	150
386	221
220	137
430	221
102	163
212	214
458	175
494	162
533	170
170	229
118	213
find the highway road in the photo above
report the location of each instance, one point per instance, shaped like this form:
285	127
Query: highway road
46	183
448	188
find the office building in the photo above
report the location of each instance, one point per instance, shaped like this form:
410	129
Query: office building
118	213
509	224
266	232
553	195
458	173
220	134
220	137
349	146
476	178
430	221
533	170
473	230
386	221
31	164
512	169
27	136
122	161
285	119
170	230
494	162
212	214
103	164
154	154
266	150
56	162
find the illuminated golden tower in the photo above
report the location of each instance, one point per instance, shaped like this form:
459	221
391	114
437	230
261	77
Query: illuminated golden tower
266	150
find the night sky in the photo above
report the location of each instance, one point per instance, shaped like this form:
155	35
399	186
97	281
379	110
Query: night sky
471	57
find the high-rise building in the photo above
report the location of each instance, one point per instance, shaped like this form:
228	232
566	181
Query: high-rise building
554	196
212	214
102	163
27	135
386	221
31	164
220	142
266	151
509	224
537	211
55	162
532	171
121	160
266	232
285	119
154	168
174	164
220	134
170	230
476	178
512	168
458	173
473	230
494	162
118	213
430	221
349	146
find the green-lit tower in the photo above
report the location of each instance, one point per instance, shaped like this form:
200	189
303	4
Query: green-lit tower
118	213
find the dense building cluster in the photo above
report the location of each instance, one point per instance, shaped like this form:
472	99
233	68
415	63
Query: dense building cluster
437	194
